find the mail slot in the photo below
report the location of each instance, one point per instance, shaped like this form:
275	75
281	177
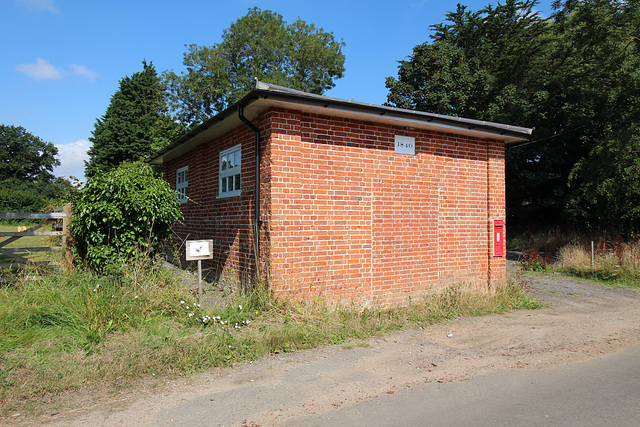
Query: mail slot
498	238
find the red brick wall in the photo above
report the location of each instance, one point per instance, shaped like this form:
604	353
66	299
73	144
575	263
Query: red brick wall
228	221
351	221
345	219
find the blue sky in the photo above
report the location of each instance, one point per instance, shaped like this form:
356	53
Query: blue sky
63	59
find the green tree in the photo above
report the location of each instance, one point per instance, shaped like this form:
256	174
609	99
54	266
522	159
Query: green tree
259	45
25	157
27	183
135	124
492	64
122	214
602	85
573	78
481	65
612	189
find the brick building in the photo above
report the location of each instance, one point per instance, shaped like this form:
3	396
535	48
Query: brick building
357	202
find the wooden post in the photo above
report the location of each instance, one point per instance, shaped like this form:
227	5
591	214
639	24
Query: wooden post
65	226
199	280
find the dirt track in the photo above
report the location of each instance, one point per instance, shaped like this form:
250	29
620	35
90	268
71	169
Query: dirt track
580	321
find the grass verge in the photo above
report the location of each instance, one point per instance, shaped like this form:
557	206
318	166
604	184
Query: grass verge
69	331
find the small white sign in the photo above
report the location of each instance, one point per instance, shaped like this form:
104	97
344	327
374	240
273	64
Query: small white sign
199	249
405	145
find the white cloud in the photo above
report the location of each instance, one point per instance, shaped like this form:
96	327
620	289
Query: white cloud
72	157
83	71
41	70
44	70
45	5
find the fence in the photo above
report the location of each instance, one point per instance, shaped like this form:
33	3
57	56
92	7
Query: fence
61	213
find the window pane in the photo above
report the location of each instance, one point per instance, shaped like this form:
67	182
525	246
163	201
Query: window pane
230	183
224	163
237	158
230	160
237	182
224	185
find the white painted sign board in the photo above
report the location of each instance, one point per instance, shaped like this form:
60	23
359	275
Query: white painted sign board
199	249
405	145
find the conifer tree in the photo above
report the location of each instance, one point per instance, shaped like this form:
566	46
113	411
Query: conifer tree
134	125
572	77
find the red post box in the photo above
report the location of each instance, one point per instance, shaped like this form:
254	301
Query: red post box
498	238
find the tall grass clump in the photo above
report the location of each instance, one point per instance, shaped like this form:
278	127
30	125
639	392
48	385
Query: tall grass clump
51	324
613	261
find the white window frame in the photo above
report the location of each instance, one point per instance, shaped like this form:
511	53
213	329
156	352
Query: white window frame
228	175
182	183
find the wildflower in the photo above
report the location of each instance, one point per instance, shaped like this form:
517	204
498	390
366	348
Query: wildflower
190	314
187	307
240	307
136	297
229	346
94	290
181	302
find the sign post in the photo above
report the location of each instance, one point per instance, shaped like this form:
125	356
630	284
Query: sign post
197	250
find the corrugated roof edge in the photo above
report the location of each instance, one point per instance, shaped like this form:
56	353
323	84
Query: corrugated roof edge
262	89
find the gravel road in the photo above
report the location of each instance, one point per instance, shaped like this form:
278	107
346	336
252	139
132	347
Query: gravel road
580	321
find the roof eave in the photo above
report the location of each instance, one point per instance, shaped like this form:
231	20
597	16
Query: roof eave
158	157
274	94
516	133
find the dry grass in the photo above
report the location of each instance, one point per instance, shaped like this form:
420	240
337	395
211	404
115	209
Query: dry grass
612	261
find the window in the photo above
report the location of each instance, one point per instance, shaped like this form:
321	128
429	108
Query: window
229	181
182	182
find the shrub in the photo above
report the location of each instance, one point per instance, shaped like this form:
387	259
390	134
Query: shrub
17	196
122	214
16	200
532	260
